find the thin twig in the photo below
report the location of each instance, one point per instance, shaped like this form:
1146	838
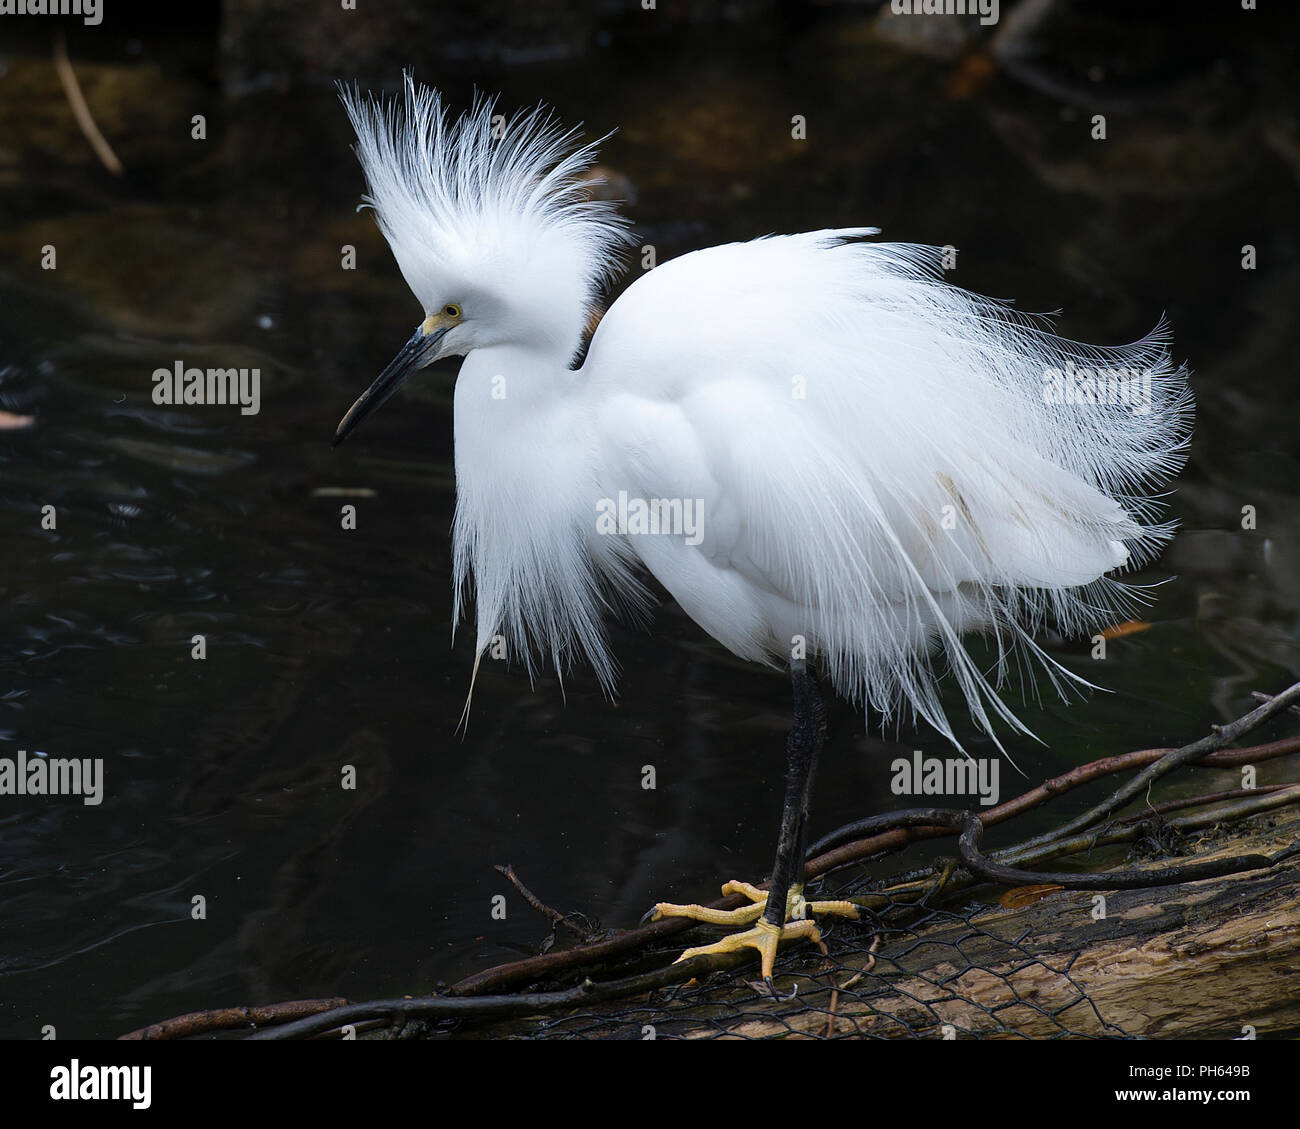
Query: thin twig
232	1019
1201	801
554	916
835	988
504	1007
1260	696
81	111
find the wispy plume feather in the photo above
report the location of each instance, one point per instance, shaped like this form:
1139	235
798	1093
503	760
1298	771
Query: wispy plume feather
454	195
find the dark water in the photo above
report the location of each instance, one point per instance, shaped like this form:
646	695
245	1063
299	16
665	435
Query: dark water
329	648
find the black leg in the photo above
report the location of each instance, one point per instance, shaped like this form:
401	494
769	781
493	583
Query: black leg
801	751
769	924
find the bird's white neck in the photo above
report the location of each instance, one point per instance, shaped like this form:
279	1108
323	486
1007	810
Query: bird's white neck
517	379
511	404
526	492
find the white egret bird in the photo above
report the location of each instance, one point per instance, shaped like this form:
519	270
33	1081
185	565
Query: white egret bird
814	443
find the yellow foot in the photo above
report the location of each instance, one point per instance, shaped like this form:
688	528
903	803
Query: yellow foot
764	936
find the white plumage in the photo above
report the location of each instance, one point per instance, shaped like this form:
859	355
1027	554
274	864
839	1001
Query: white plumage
883	460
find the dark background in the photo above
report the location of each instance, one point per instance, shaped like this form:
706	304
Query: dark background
328	648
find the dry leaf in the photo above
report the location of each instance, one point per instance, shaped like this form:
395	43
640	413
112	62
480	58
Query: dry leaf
1025	895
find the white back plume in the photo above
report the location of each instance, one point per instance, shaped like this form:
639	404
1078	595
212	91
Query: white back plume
929	481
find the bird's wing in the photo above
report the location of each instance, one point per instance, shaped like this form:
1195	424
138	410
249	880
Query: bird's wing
891	457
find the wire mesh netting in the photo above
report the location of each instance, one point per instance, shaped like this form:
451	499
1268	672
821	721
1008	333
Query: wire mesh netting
934	973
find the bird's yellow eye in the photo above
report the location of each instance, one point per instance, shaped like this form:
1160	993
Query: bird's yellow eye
452	311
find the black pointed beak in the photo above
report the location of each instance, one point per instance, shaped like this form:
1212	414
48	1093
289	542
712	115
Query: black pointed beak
415	354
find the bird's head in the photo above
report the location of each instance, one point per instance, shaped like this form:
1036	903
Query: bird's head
491	225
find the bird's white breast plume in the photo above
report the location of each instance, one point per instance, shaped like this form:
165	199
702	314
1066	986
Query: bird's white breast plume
884	461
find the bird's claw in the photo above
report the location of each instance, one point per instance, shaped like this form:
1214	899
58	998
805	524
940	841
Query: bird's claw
762	935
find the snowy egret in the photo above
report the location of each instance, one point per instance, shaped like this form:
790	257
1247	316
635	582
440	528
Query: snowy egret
813	442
